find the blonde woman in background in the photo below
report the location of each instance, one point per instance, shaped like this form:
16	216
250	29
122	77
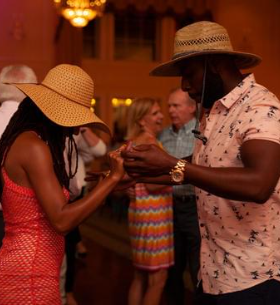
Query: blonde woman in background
150	214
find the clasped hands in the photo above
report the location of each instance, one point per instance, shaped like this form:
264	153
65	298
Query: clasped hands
147	160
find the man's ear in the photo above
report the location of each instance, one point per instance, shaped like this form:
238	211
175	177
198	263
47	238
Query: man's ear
193	108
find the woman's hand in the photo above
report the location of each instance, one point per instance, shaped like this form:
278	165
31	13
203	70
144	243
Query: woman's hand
131	193
116	164
125	183
116	170
147	160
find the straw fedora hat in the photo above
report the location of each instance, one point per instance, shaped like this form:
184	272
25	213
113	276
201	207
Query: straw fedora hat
203	38
64	96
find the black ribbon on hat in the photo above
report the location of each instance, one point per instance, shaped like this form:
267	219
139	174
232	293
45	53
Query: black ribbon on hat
197	133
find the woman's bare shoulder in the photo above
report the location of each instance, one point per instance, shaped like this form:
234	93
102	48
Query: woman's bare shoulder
31	147
31	140
28	154
145	138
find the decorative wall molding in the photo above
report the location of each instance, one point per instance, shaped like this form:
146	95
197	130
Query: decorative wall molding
198	9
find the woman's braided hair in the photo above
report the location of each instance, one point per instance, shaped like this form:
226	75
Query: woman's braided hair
29	117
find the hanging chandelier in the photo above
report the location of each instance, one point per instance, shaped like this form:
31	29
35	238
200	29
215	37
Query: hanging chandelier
80	12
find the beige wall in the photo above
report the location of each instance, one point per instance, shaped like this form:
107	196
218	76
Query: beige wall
129	79
123	79
27	36
254	26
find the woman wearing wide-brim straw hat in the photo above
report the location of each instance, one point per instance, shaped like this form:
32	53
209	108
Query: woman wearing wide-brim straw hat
34	184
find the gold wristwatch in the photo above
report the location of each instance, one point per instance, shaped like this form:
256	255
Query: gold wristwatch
178	171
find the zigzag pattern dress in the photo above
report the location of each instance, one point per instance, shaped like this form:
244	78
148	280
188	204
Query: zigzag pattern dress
32	251
151	228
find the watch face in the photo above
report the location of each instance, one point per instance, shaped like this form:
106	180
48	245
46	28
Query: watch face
177	176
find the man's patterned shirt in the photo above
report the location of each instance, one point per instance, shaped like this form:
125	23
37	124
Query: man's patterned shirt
240	240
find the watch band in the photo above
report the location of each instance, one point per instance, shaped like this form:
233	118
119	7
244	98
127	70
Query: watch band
177	173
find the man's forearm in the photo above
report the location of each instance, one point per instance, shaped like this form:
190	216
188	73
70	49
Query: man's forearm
163	179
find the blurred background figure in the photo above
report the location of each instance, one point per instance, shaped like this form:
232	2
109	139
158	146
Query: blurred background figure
10	97
178	140
89	146
149	215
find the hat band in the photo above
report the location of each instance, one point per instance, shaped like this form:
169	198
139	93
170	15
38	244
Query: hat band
67	97
200	52
178	55
204	40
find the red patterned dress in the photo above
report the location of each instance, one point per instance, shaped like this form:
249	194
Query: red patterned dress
32	251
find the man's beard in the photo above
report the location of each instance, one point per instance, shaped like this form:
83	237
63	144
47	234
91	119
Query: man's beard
214	88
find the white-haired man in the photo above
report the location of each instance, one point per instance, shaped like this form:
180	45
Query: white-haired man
178	140
10	96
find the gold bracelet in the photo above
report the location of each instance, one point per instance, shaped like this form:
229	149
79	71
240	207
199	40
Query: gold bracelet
177	173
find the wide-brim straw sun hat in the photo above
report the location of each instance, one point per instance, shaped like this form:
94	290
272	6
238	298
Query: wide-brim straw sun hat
65	97
202	38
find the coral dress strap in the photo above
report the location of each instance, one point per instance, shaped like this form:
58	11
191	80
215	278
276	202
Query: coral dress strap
4	157
16	187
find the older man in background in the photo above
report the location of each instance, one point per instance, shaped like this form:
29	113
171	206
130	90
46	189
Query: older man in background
178	140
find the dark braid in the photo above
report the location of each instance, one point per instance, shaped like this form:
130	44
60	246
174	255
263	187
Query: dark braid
72	146
29	117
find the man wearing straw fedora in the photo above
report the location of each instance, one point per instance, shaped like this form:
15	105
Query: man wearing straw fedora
235	166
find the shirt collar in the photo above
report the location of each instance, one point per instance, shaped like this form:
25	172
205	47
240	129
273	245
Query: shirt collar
234	95
188	126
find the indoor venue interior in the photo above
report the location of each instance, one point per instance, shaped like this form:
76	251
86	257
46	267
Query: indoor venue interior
118	43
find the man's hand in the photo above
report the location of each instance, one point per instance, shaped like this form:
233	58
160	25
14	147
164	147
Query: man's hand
96	176
147	160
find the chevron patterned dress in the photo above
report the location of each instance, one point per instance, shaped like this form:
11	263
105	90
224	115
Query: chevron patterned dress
151	228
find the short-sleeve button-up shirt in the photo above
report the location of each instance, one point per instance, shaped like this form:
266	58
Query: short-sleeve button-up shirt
240	240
